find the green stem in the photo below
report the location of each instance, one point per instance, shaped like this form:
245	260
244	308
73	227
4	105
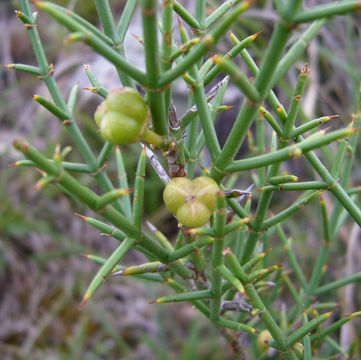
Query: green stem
217	256
327	10
203	47
248	111
152	63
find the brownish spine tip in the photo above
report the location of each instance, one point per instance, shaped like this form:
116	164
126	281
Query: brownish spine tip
219	192
257	34
153	302
180	23
355	130
13	164
216	59
81	216
18	143
255	331
84	301
86	255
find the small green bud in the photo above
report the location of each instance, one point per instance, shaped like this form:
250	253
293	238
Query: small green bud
122	117
192	201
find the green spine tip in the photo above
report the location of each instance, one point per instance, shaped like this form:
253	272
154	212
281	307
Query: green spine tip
85	218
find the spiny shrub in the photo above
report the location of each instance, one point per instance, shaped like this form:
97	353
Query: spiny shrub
215	264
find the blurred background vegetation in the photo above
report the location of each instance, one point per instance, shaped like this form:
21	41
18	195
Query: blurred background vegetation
42	273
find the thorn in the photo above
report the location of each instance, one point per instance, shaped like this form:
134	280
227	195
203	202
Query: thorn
81	216
332	116
257	34
216	59
138	38
84	301
151	226
37	3
206	171
43	173
180	23
92	89
13	164
85	255
153	302
121	272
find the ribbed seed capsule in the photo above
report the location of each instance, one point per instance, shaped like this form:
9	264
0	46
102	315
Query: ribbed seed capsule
192	201
122	117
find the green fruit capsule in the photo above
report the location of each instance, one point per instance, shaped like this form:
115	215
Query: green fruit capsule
264	335
192	201
122	117
193	214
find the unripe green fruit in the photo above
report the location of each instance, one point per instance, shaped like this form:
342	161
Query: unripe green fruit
122	117
263	336
193	214
100	113
117	128
192	201
206	189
